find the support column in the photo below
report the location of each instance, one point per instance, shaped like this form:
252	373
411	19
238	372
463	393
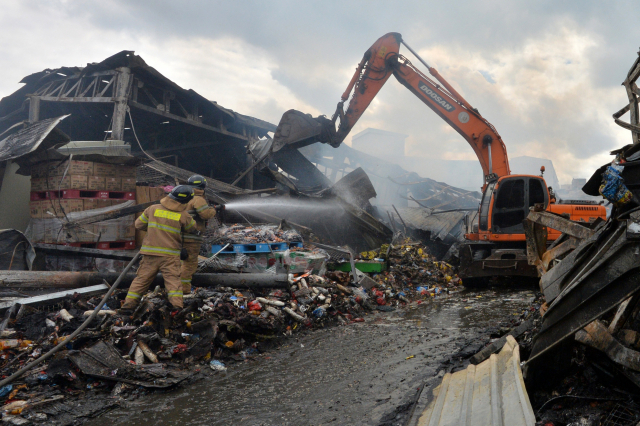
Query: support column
121	96
34	109
249	178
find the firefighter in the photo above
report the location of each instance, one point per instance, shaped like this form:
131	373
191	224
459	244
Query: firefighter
202	212
165	223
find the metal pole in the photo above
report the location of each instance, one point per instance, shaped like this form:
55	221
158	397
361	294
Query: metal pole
490	159
75	333
416	55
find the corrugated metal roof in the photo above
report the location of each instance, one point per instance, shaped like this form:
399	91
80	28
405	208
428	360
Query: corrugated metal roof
28	139
442	225
490	393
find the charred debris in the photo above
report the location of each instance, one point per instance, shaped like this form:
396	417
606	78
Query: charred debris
133	109
302	238
581	364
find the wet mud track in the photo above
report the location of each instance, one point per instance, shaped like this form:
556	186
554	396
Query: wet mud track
361	374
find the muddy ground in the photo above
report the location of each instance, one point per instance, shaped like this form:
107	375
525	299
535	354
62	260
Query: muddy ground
367	373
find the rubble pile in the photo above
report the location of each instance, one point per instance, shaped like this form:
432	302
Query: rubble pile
595	378
413	272
156	347
243	234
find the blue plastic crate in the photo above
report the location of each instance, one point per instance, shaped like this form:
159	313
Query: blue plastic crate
254	248
216	248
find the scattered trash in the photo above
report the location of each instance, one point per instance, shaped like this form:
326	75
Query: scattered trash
217	365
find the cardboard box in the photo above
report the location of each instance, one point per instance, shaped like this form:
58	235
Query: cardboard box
35	231
126	172
113	184
84	234
121	229
48	230
90	204
128	184
104	203
104	170
96	183
54	168
69	206
128	232
49	209
38	184
35	209
69	182
156	193
108	231
51	234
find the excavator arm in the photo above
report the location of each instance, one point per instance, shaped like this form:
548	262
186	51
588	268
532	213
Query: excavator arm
378	64
382	60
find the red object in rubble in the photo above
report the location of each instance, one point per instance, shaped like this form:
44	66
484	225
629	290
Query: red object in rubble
254	306
179	348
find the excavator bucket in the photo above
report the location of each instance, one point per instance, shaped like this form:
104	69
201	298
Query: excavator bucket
297	129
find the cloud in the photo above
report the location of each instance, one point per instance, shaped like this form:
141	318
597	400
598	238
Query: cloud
540	97
545	73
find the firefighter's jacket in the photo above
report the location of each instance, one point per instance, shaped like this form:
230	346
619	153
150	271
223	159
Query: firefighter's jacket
202	212
165	224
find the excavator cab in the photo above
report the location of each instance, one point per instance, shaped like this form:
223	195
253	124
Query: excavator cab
512	197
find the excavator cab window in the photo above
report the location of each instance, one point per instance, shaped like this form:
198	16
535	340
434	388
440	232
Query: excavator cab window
514	197
536	192
510	194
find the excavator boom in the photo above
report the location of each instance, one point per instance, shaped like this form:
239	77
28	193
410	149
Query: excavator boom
379	62
382	60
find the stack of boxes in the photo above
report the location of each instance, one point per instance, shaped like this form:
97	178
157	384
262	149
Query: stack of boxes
85	186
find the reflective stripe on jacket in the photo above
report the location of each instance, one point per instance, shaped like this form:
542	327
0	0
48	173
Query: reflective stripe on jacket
165	223
203	212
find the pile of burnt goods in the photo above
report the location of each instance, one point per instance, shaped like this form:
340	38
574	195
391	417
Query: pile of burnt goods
123	355
585	359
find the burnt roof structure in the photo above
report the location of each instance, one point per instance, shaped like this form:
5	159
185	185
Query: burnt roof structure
123	98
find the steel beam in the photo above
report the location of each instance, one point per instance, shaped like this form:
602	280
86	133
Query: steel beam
121	94
567	226
47	279
51	298
185	120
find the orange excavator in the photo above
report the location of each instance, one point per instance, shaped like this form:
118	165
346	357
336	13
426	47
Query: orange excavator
497	245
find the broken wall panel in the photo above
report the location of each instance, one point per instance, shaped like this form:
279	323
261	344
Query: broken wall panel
447	227
393	184
297	165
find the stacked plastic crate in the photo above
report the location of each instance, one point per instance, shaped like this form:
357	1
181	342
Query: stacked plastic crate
63	189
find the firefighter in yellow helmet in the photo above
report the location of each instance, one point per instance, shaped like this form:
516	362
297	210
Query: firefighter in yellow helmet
165	223
202	212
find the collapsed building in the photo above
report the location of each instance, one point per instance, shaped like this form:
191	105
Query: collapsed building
121	106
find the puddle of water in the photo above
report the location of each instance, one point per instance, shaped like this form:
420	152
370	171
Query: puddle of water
348	375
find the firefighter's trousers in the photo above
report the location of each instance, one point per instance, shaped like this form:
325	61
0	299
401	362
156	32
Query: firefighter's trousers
190	265
147	271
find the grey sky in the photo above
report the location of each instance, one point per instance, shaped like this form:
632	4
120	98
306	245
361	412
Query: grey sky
547	74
